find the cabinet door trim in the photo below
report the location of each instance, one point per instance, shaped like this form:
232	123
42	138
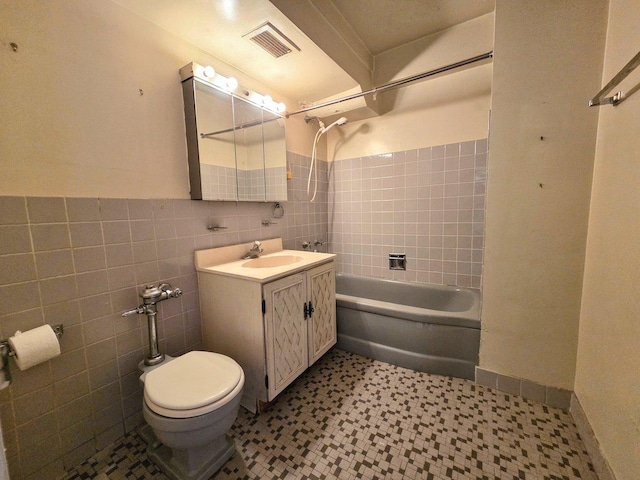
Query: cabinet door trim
321	291
285	331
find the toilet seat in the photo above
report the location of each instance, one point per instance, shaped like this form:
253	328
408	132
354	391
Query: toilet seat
193	384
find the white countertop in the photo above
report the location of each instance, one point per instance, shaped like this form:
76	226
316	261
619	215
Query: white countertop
267	274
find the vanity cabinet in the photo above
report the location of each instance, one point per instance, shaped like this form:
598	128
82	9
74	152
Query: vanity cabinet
300	324
274	330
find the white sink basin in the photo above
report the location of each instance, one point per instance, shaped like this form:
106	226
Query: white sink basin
275	263
271	262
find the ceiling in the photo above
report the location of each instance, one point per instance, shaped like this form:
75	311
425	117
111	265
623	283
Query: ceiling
338	39
386	24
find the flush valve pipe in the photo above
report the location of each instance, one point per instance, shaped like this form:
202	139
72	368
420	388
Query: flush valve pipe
151	295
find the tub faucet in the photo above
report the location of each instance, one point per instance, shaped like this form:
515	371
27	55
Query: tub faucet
254	252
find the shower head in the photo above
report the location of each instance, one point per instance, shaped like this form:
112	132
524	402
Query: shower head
341	121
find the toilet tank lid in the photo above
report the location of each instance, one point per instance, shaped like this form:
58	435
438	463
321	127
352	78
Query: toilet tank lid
192	380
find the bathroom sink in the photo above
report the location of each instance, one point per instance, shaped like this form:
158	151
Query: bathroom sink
275	262
270	262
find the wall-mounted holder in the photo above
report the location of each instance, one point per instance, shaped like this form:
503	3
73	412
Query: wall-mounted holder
277	211
618	97
397	261
6	351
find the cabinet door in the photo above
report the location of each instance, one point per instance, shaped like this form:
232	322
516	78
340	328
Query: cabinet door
286	331
322	324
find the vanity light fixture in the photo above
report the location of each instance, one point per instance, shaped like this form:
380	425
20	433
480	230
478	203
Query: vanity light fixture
265	101
209	74
276	107
230	84
270	104
254	97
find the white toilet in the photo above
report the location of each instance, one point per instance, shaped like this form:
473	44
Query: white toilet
190	402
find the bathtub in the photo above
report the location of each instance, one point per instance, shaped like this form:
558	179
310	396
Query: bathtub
429	328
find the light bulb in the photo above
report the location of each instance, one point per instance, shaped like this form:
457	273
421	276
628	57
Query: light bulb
256	98
232	83
209	72
266	100
281	107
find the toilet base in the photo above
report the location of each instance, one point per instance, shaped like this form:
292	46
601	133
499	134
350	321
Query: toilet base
193	464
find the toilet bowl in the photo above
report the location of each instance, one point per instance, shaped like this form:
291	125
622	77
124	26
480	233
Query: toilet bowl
190	402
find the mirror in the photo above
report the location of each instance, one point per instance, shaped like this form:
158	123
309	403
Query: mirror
275	149
216	147
236	149
249	151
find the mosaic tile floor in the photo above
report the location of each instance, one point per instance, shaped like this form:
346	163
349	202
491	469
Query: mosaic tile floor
349	417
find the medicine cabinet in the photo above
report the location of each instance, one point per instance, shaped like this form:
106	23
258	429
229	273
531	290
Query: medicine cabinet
236	149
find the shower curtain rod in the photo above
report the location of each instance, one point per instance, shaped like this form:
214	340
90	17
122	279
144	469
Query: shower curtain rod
397	83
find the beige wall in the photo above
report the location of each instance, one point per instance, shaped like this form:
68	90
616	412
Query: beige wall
74	125
74	121
548	58
608	372
448	109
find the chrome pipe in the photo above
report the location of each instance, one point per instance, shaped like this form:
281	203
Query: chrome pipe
154	356
151	295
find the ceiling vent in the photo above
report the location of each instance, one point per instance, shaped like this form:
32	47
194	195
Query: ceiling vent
272	40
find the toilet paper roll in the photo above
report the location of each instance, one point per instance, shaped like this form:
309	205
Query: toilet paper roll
34	346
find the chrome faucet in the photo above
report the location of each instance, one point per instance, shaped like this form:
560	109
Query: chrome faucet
254	252
317	243
150	296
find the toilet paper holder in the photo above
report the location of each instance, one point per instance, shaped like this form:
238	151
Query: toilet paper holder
6	351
